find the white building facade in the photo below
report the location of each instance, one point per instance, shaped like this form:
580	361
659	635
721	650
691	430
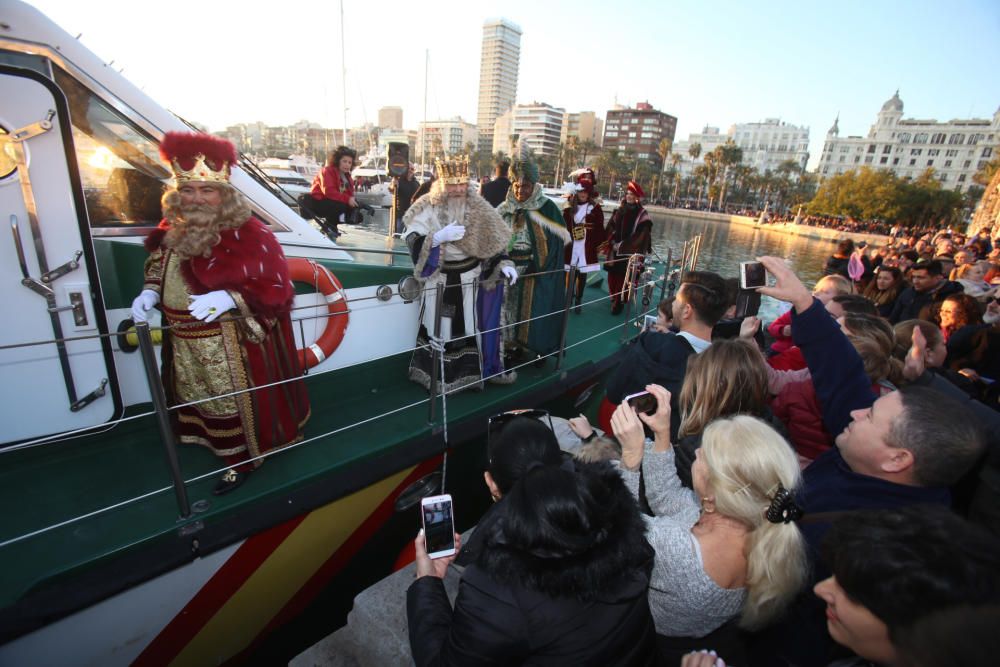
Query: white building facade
709	139
453	134
955	149
498	68
539	124
769	143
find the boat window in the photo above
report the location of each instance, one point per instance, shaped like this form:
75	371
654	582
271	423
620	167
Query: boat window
25	61
121	169
8	158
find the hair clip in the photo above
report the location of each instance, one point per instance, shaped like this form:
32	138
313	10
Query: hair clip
783	508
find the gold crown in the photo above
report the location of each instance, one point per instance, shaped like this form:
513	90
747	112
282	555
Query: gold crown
454	171
201	171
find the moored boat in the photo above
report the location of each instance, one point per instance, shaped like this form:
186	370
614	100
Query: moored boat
108	554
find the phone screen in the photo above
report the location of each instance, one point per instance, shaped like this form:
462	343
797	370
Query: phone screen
642	402
439	526
753	275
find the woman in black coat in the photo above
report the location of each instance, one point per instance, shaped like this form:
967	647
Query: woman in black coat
559	568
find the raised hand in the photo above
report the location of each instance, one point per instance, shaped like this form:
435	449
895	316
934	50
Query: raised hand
787	285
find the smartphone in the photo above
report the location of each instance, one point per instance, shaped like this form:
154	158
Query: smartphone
747	303
752	275
642	401
439	525
648	322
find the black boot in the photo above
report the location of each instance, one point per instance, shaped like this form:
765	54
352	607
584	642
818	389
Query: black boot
577	308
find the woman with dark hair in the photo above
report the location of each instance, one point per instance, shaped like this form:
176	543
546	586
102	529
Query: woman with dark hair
885	288
957	311
332	195
837	263
558	569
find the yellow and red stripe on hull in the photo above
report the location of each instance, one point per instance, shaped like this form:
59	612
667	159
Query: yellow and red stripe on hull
274	575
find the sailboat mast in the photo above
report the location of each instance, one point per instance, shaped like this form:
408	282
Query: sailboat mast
343	71
423	142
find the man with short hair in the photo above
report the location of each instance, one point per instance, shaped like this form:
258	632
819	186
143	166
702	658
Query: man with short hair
458	240
661	358
496	190
929	285
220	278
904	448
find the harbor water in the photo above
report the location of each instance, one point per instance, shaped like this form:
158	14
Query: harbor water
723	247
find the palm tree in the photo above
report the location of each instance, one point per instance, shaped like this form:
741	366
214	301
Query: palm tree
609	161
694	150
676	160
586	148
729	155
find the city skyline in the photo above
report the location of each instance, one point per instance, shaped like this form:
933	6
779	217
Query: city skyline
737	64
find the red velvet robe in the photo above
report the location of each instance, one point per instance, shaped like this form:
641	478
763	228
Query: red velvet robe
248	347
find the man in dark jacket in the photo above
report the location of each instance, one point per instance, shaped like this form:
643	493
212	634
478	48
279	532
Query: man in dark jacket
929	286
906	448
496	190
661	358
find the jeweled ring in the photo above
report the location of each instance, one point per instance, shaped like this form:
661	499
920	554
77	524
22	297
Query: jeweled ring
212	309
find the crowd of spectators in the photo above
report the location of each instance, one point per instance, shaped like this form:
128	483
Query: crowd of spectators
832	498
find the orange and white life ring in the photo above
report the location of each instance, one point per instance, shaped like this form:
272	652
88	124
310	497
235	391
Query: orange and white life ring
307	271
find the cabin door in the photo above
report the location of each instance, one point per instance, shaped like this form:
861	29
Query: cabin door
49	291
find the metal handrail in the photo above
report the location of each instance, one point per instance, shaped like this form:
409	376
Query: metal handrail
179	485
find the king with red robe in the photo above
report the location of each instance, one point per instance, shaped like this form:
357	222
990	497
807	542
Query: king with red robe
221	280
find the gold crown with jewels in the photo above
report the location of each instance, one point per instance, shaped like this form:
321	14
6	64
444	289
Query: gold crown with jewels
454	171
201	171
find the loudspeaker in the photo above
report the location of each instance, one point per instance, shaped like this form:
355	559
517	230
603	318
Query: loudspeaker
398	158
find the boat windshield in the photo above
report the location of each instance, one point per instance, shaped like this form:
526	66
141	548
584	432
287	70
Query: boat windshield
122	173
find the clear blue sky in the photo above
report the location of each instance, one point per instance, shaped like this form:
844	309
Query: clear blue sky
720	63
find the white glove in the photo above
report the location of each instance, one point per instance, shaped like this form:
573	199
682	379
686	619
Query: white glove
143	303
207	307
511	273
452	232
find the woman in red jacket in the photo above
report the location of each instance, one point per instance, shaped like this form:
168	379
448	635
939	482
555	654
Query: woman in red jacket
332	195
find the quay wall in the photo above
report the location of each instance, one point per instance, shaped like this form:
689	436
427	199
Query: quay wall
790	228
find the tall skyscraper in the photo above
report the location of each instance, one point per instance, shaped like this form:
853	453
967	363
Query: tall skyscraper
498	67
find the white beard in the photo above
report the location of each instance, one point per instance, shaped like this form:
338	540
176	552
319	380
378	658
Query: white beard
456	208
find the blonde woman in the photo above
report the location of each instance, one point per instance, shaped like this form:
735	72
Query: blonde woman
728	550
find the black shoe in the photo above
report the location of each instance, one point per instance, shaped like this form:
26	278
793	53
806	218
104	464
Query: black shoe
230	480
578	308
617	309
540	362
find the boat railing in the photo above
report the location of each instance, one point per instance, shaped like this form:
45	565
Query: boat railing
639	286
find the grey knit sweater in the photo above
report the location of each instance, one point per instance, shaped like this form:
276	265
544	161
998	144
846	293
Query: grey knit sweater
684	600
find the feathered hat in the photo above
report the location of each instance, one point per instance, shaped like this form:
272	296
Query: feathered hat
522	164
634	188
195	156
